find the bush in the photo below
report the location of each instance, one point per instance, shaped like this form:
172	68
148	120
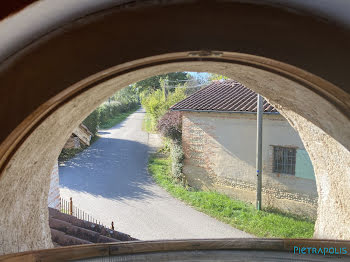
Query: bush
126	100
170	125
177	157
157	105
92	122
154	103
109	110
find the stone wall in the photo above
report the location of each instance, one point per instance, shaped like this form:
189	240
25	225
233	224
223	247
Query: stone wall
83	133
58	93
220	155
72	142
54	192
332	167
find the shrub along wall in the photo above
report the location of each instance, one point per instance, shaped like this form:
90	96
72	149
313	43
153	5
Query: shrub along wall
168	123
157	103
177	158
170	126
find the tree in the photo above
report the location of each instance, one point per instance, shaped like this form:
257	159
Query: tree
154	81
126	95
213	77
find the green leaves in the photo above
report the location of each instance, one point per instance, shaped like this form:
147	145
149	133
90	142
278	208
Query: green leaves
157	105
153	83
213	77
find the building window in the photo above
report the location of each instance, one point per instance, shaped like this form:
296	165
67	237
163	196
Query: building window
284	160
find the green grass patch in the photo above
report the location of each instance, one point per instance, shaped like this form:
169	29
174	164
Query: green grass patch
120	117
236	213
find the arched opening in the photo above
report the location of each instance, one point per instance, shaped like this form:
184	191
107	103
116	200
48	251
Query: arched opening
59	95
60	124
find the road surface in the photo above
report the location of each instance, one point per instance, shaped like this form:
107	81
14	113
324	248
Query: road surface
109	180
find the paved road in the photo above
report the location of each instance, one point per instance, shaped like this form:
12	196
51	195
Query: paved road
109	180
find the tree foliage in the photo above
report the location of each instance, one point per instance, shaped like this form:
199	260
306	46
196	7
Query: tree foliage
92	122
126	95
156	104
154	83
213	77
123	101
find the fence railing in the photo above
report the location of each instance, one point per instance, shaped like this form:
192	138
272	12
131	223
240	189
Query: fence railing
67	207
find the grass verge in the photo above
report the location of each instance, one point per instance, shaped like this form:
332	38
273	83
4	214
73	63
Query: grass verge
236	213
120	117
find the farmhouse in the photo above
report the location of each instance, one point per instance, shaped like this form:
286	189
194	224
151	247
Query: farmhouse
219	143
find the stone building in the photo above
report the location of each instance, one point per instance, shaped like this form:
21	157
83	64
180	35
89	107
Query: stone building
80	135
219	143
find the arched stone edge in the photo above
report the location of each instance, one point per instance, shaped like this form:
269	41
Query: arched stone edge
28	168
321	87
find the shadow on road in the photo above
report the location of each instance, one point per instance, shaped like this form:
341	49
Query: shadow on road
111	168
103	132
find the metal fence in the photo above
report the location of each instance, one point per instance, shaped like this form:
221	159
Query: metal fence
67	207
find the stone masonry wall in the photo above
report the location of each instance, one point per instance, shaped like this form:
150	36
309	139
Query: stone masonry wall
220	155
54	192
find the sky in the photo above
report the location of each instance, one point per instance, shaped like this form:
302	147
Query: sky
196	74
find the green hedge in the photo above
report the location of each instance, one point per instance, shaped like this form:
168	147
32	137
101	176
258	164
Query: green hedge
169	123
177	158
92	122
156	104
123	101
110	110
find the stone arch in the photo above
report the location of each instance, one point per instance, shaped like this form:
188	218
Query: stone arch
56	83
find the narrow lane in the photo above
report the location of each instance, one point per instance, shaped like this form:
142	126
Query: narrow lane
109	180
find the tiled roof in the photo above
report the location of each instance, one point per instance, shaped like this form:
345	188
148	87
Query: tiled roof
68	230
223	96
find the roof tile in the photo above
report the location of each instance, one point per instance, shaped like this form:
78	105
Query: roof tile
223	96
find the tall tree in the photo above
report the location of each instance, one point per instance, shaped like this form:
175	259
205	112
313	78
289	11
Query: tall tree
154	81
217	77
